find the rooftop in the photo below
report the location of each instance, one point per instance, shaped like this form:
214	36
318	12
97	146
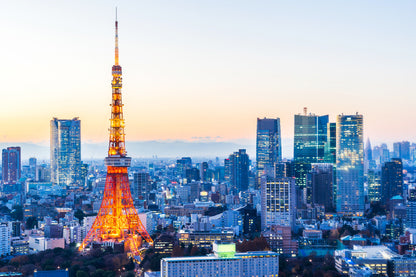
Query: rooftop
375	252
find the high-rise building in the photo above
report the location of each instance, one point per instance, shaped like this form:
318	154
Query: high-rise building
391	179
311	132
412	152
11	165
411	214
141	185
401	150
65	151
331	143
278	201
203	169
350	165
368	157
321	179
237	168
5	238
32	167
374	185
182	165
192	174
268	145
368	154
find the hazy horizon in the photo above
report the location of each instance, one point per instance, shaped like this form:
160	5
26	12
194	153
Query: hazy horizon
162	148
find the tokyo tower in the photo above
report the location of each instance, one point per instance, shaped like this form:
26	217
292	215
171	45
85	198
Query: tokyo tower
117	220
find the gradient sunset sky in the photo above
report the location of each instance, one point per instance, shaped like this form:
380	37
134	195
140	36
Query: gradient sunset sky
207	69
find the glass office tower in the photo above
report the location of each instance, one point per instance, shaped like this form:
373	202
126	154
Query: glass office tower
239	163
268	146
331	143
66	151
309	144
350	165
11	165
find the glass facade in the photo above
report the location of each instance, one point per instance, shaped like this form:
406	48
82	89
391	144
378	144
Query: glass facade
391	179
350	165
374	185
309	144
11	165
65	151
331	144
238	170
268	145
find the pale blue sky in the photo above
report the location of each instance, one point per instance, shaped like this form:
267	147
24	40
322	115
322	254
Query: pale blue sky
207	68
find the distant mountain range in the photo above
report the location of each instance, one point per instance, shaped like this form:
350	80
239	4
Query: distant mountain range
148	149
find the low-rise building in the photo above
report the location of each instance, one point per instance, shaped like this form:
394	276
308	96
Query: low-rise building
19	246
204	239
224	262
280	240
378	259
404	266
40	243
312	234
164	243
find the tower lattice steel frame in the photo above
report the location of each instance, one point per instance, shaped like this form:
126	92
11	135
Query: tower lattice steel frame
117	220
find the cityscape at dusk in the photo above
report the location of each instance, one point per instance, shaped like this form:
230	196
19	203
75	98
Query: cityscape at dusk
230	139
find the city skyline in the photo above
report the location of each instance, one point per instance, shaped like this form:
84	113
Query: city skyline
186	70
317	201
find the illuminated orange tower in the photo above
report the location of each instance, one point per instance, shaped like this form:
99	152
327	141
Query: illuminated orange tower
117	220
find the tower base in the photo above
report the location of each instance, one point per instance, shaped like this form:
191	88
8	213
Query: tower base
117	220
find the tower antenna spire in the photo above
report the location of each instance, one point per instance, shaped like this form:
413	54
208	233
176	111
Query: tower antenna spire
116	42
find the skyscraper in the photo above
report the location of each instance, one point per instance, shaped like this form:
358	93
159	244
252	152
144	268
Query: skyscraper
203	169
374	185
368	156
368	151
237	168
32	167
278	201
350	164
141	185
401	150
268	145
331	143
309	143
11	165
321	178
391	180
65	151
182	165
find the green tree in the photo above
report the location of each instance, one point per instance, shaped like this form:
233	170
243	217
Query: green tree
17	212
80	215
31	222
98	273
81	273
4	209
